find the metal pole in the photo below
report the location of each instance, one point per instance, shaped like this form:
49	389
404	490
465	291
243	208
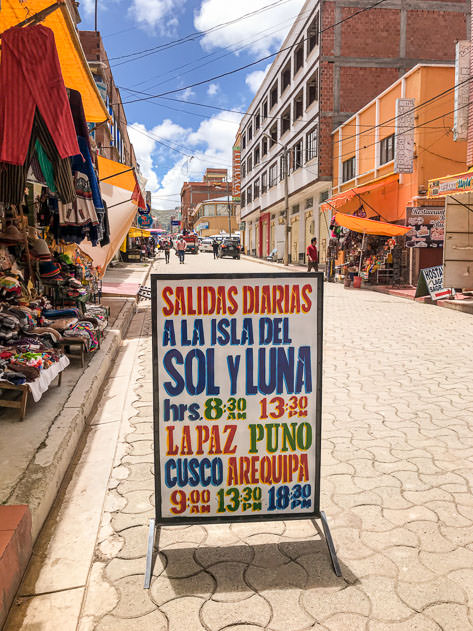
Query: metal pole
96	14
361	253
286	204
229	212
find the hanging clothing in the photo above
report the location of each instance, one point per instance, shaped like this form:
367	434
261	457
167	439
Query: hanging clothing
83	164
30	78
78	115
13	177
46	166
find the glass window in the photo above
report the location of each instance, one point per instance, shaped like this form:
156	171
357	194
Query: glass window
309	202
349	169
298	105
264	109
273	132
249	195
257	121
386	153
297	155
299	57
312	89
249	163
273	95
256	156
250	132
286	77
313	34
273	174
264	182
264	146
286	121
256	189
311	144
243	198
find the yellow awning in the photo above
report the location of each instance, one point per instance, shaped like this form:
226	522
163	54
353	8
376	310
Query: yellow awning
138	232
116	174
75	69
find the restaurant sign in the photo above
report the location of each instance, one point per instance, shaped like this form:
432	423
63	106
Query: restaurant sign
427	225
448	186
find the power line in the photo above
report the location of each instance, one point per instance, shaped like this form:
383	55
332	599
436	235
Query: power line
253	63
192	36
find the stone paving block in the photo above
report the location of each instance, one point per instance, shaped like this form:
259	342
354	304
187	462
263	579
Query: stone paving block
218	615
155	621
184	613
450	617
231	581
134	601
181	560
164	589
349	600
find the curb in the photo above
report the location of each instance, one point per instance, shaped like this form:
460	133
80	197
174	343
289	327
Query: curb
39	484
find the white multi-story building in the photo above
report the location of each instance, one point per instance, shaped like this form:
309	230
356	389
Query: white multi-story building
284	116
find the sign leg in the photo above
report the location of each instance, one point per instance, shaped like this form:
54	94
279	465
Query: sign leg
330	546
150	554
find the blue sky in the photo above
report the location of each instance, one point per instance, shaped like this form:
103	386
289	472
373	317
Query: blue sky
206	134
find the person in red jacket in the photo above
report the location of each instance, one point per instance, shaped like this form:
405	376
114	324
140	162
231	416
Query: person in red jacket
312	255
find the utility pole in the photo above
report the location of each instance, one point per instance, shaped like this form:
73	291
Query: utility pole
229	212
286	204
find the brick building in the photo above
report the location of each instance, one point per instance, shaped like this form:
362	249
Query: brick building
320	78
112	137
214	184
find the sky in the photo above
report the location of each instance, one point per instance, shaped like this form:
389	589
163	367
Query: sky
176	141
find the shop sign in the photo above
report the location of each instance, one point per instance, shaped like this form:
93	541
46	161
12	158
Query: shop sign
175	222
236	173
431	282
404	136
427	226
237	406
457	184
202	226
145	221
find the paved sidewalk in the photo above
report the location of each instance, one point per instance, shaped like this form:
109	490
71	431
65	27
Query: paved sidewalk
397	476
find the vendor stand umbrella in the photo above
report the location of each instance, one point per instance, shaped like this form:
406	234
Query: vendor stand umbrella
369	226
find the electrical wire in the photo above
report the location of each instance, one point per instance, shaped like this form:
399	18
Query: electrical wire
193	36
253	63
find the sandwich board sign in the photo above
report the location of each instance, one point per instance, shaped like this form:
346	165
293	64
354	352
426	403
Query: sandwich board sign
430	282
237	382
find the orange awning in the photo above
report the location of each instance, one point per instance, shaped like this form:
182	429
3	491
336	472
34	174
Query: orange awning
338	201
116	174
368	226
74	66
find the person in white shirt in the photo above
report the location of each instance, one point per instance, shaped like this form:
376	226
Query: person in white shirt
181	248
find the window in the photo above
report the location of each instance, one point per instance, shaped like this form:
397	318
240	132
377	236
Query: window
257	121
286	121
243	139
264	182
309	203
312	89
256	189
264	146
249	196
283	166
256	156
295	209
386	153
273	132
298	105
249	164
264	109
243	169
348	169
313	34
299	57
311	144
273	174
286	77
297	155
243	198
250	132
273	95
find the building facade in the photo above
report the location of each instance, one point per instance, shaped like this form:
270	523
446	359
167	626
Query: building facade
366	168
112	137
214	183
215	216
321	76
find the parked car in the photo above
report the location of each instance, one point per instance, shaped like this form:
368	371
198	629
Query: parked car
229	247
206	245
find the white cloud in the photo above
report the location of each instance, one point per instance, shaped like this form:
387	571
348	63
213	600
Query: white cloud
186	94
247	32
156	13
212	89
210	144
255	79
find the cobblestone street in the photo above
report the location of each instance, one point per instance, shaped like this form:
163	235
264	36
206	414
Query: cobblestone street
397	477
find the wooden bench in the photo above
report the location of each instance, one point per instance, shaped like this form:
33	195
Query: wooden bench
22	401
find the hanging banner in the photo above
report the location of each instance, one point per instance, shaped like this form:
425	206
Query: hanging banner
236	173
404	137
462	90
237	368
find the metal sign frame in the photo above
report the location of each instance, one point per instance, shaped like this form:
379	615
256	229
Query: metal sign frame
316	513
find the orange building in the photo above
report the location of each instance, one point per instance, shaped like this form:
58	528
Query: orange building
367	161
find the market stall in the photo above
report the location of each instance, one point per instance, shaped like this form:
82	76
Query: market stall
51	204
365	249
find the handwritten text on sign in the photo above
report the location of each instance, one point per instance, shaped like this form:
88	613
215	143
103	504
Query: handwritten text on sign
237	404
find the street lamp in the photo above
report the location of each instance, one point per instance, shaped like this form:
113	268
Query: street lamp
286	197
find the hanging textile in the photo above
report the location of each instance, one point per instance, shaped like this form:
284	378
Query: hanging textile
30	79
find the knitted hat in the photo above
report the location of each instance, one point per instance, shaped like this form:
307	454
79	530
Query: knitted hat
11	235
40	248
49	269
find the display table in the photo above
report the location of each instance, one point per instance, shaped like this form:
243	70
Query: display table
37	387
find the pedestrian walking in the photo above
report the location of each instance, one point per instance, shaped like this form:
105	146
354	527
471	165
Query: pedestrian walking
215	248
167	250
312	256
181	248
